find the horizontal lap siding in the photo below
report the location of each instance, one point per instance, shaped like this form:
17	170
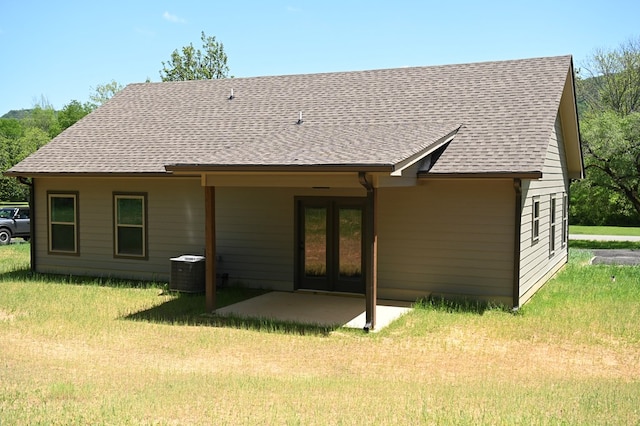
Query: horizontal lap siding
536	260
255	234
449	237
446	237
175	226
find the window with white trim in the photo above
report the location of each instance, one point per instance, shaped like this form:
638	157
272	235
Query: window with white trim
63	222
130	225
535	220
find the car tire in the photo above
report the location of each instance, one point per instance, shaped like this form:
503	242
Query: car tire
5	236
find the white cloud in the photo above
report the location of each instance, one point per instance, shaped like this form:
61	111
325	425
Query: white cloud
173	18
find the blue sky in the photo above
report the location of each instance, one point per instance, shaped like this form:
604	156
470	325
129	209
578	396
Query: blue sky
62	50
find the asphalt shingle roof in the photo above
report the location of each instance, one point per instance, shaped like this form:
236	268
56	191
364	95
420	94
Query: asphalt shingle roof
504	114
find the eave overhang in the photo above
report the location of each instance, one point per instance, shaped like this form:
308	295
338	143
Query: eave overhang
25	174
488	175
196	169
571	127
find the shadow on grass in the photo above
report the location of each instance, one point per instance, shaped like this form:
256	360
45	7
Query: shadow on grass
604	245
26	275
184	309
189	309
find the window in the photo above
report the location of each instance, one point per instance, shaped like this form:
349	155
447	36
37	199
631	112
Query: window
130	225
63	223
565	219
535	221
552	228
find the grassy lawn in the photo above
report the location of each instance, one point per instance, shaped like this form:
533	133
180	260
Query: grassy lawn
604	230
81	351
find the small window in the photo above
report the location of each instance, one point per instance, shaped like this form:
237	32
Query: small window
130	225
565	219
63	223
552	228
535	221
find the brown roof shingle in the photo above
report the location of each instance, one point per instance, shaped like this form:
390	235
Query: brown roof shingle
504	113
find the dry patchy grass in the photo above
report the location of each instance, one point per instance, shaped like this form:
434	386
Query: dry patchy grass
69	355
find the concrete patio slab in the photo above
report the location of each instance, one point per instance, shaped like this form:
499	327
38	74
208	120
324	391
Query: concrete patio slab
316	308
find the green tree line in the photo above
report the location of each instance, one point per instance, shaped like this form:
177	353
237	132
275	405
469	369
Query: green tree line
23	132
608	92
21	137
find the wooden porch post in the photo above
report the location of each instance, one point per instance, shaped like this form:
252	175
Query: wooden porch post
210	247
370	253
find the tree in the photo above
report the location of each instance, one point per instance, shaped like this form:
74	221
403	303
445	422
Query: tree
11	128
104	92
72	112
612	80
193	64
610	130
612	158
16	142
44	119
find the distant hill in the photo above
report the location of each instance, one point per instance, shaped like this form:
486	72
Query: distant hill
17	113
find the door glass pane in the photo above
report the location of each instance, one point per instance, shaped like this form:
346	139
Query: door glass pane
350	237
315	241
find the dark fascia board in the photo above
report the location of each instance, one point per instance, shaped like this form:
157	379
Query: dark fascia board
487	175
206	168
196	170
82	174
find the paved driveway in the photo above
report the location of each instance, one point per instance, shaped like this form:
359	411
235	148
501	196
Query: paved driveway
611	256
616	257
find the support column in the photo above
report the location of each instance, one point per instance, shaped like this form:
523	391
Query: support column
517	186
210	247
370	253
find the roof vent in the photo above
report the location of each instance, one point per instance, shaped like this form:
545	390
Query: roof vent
231	95
300	119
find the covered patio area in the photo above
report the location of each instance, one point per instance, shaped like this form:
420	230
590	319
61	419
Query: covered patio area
317	309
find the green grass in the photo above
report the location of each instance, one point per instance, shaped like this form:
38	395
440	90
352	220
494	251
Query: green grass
88	351
10	204
609	245
604	230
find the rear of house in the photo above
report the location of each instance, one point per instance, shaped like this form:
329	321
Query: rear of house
397	184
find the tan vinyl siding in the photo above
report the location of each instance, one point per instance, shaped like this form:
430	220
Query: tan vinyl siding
537	262
255	233
446	237
175	226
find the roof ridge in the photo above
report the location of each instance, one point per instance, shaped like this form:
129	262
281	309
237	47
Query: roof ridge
368	70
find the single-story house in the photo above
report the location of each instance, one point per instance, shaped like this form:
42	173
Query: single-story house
395	183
